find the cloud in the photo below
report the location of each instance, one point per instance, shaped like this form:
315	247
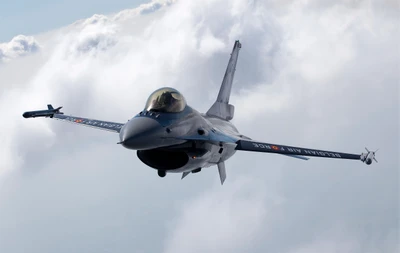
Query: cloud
95	34
143	9
337	239
221	219
19	46
209	44
309	74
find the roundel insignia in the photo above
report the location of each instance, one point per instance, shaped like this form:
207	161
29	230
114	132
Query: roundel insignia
275	148
78	121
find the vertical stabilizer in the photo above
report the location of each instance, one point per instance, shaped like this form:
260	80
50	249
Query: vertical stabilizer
221	108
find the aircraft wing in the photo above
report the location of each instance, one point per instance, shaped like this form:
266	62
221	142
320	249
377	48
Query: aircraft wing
249	145
99	124
56	114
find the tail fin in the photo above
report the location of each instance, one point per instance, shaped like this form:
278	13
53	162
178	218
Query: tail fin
57	110
221	108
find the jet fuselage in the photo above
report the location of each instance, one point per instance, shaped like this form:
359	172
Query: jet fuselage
179	142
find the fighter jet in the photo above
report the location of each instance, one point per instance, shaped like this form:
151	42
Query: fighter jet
172	137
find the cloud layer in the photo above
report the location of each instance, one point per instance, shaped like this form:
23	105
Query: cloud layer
309	74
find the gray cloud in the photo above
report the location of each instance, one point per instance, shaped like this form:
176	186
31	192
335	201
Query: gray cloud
151	8
95	42
308	75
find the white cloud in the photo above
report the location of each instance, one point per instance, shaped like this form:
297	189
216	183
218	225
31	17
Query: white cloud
146	8
209	44
309	74
97	34
19	46
221	219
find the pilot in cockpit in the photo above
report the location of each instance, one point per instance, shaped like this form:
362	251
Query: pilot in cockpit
166	100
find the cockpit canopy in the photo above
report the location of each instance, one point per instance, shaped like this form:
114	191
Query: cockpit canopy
166	100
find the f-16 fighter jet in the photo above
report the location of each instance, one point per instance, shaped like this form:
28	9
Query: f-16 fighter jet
172	137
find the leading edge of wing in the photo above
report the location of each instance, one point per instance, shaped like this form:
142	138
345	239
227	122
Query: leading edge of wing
99	124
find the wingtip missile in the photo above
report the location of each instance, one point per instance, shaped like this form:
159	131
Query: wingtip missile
43	113
368	157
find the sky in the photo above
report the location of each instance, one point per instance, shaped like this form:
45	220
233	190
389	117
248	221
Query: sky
310	74
33	17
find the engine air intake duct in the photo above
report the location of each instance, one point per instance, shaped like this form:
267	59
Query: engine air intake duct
162	159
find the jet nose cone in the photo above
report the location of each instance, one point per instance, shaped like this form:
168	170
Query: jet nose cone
140	133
